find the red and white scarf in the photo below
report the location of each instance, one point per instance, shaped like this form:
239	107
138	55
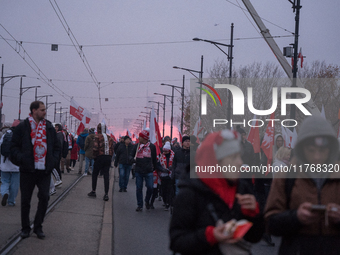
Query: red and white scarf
39	142
144	151
69	137
162	160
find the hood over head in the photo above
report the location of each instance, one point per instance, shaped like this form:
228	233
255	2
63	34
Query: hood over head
316	129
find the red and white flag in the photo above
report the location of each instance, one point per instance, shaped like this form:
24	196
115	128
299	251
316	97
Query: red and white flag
128	133
155	135
289	137
300	56
268	140
180	135
254	136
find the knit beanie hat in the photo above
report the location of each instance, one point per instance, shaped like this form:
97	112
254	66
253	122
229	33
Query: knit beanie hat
144	134
167	146
184	138
217	146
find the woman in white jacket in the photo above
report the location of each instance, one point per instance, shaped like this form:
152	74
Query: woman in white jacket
281	160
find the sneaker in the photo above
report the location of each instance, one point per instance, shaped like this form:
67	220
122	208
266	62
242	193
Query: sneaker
139	209
124	190
4	200
53	192
57	183
92	194
106	197
147	205
84	174
72	168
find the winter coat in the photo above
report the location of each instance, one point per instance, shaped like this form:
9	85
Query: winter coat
123	154
82	136
22	148
145	164
89	141
74	151
6	165
283	203
192	216
181	161
99	145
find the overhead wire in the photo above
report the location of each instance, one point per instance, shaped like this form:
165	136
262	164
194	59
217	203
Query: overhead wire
32	65
78	47
238	6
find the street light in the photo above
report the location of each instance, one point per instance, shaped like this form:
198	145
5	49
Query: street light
22	91
230	59
158	103
38	97
200	79
2	88
172	104
163	108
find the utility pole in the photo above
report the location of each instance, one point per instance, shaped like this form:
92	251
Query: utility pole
296	8
230	58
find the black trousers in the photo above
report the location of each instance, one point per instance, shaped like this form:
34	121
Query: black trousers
28	181
101	164
166	186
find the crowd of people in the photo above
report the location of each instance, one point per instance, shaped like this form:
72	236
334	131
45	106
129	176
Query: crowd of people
220	214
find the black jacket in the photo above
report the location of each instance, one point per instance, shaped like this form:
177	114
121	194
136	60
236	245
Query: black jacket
146	164
123	154
248	155
22	148
181	161
191	216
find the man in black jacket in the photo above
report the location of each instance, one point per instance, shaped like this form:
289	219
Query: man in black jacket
181	160
123	159
146	160
35	149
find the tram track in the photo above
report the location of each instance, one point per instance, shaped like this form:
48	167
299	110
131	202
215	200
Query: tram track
16	238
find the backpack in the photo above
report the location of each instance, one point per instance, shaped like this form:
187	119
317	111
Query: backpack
6	145
81	142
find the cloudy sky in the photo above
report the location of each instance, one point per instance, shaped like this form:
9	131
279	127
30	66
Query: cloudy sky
130	47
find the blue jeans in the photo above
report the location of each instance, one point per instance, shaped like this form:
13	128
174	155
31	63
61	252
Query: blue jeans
10	185
124	175
87	163
139	187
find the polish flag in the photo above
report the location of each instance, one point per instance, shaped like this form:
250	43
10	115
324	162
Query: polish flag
289	137
180	135
300	56
268	140
128	133
76	110
254	136
155	135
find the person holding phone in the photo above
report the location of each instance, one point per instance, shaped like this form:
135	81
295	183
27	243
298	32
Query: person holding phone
305	208
205	208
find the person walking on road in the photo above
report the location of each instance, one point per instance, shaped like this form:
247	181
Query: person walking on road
102	153
123	159
146	160
10	176
89	151
304	209
181	160
35	149
81	143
